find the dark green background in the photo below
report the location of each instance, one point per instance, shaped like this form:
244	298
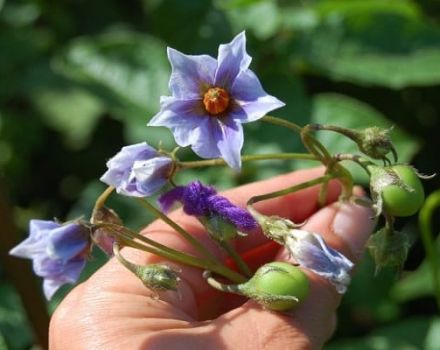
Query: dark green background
79	79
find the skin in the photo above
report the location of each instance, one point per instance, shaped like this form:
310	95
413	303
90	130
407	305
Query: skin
113	310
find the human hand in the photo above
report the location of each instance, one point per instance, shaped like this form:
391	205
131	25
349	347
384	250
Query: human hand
114	310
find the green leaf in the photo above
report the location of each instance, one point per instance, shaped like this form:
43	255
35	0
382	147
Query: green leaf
406	8
350	113
14	327
416	284
392	48
72	112
128	71
250	17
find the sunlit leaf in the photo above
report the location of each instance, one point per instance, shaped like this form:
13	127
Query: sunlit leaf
383	48
128	71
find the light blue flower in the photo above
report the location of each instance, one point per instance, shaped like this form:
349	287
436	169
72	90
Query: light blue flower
137	170
210	100
59	252
309	250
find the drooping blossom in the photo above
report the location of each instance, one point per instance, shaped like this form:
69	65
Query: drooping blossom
211	98
310	251
203	201
58	252
137	170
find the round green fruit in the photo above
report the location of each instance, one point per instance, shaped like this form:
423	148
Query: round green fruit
399	201
278	286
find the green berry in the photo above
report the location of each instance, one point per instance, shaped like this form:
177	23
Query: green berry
406	198
278	286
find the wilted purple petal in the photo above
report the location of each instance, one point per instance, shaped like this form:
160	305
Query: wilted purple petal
236	215
190	75
251	97
195	199
203	201
232	58
311	252
167	199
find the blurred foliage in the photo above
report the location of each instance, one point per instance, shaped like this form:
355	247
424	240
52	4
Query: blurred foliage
80	79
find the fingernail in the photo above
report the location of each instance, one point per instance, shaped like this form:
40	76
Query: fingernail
354	224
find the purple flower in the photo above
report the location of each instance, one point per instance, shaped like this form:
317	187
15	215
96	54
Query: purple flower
58	252
137	170
210	100
311	252
203	201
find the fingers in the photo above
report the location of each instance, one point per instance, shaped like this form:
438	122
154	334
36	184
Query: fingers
344	227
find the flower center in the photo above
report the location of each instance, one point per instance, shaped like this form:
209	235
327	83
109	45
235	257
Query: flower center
216	100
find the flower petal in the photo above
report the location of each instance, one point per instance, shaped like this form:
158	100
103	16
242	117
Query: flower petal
119	166
232	58
181	116
191	75
205	137
69	273
67	241
231	142
250	96
150	175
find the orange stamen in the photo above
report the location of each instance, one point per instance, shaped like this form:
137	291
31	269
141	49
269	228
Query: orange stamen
216	100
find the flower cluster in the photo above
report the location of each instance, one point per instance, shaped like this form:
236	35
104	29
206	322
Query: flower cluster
210	98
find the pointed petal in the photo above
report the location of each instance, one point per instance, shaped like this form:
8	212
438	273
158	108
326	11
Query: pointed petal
191	75
231	142
182	117
205	138
232	58
250	96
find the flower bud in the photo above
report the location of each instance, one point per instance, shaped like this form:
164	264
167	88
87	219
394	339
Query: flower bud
376	143
389	249
158	277
273	227
277	286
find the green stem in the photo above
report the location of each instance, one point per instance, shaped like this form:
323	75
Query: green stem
181	257
246	158
228	288
282	122
291	189
244	268
100	202
179	229
322	196
425	215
